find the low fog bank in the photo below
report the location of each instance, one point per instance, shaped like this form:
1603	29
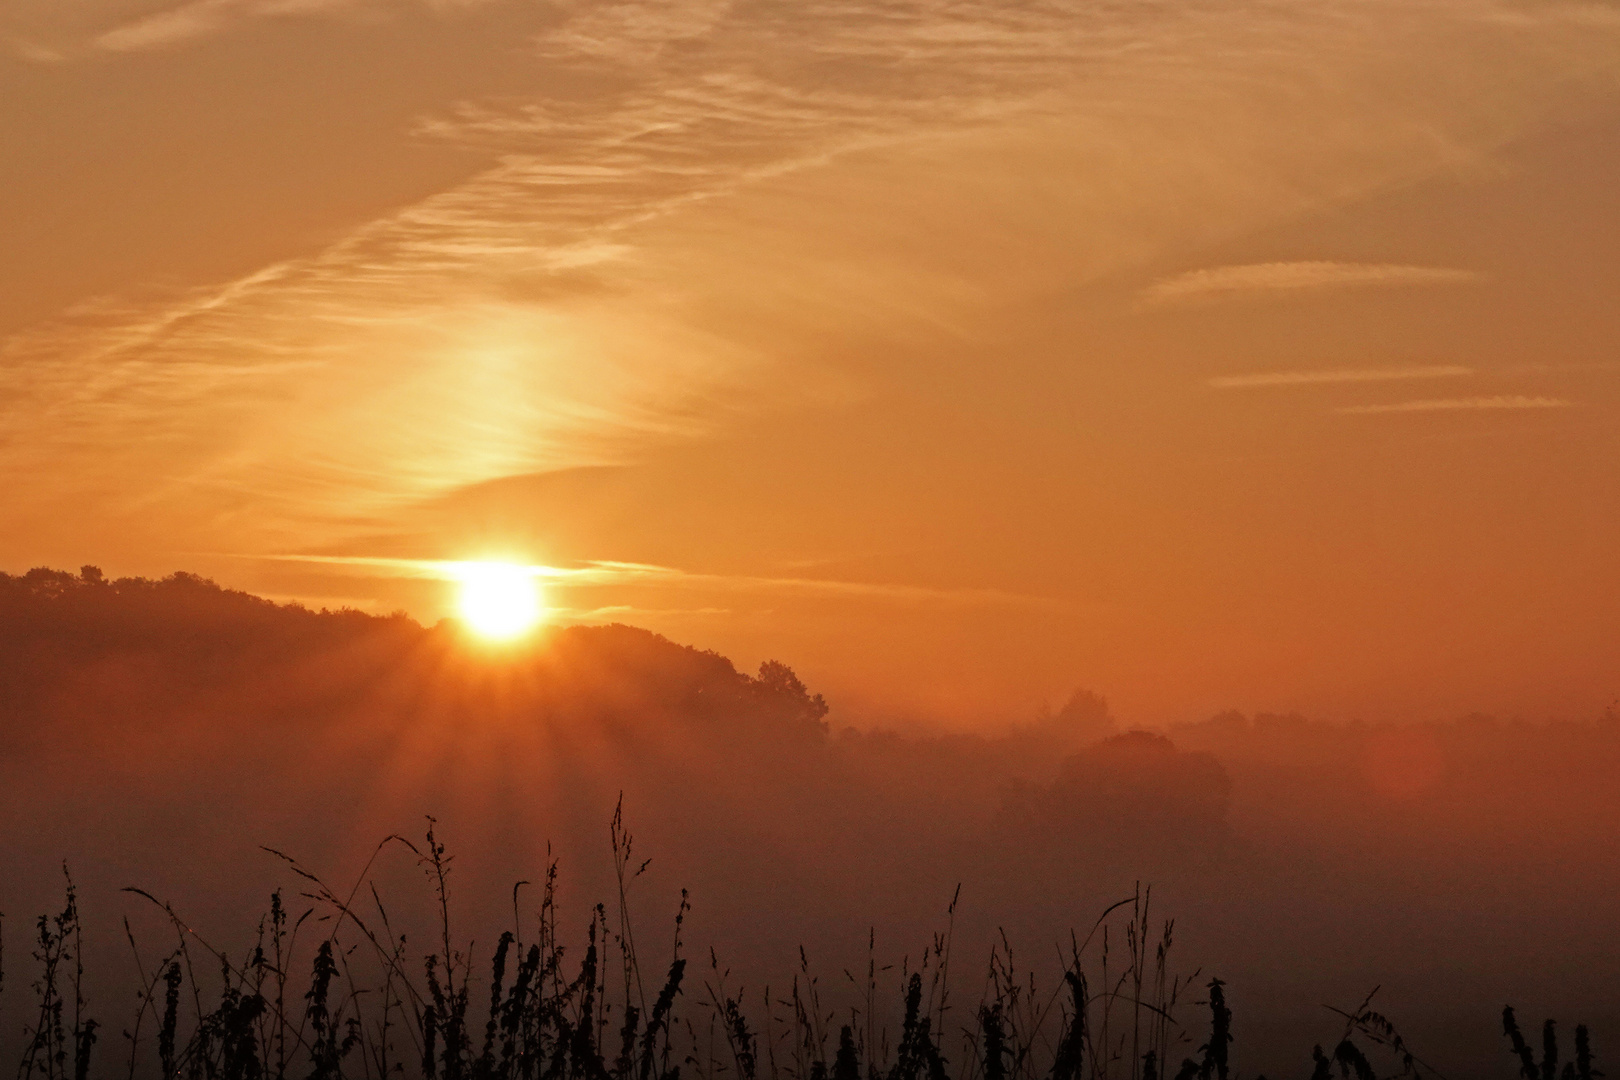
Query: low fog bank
157	733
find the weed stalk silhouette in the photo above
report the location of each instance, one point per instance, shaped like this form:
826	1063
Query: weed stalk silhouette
360	1014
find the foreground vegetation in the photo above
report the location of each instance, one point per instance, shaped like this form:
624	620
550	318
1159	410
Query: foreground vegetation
335	991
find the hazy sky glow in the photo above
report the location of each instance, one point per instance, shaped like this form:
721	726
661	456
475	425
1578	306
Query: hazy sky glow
958	353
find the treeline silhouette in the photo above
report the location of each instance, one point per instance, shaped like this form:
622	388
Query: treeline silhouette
161	646
156	732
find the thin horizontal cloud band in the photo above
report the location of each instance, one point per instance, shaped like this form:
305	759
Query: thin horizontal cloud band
1218	282
607	572
1501	401
1337	375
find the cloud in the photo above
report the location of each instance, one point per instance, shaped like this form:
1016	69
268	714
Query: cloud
608	573
558	308
1337	375
1502	401
1221	282
172	26
510	324
632	32
200	18
33	52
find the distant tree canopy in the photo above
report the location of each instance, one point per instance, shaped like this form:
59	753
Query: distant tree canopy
100	613
1132	784
1085	717
783	692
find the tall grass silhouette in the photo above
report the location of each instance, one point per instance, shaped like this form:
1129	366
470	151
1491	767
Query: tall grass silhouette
337	993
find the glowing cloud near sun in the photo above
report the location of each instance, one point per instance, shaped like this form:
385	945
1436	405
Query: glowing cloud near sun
499	601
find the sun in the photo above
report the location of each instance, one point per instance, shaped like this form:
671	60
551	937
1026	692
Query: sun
499	601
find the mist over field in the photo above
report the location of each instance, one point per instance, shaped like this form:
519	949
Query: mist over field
156	733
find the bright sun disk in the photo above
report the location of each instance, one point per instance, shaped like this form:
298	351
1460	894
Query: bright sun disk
499	600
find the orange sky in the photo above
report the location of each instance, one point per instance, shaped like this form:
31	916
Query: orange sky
957	353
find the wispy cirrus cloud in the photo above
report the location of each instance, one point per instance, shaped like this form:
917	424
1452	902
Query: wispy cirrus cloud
1328	376
1497	402
1222	282
527	319
174	25
195	19
631	32
508	324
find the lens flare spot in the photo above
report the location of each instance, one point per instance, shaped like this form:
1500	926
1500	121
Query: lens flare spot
499	601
